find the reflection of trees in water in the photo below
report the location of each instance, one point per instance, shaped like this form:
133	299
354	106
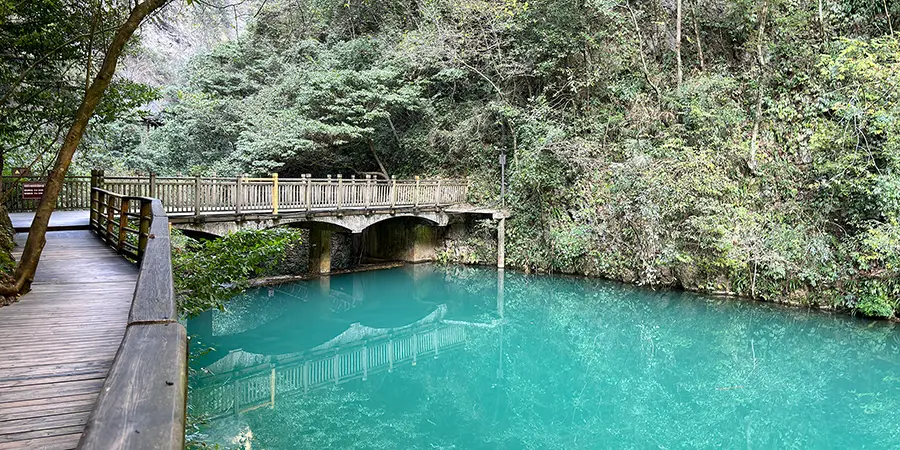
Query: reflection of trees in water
248	311
591	364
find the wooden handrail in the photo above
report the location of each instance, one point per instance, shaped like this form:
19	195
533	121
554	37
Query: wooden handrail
274	195
249	388
143	400
75	193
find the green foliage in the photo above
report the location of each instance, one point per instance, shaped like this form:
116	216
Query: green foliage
51	49
614	170
209	272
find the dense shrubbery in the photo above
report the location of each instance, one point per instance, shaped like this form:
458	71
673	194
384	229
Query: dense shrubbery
770	171
209	272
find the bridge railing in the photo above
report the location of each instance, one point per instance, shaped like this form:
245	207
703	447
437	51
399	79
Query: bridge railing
75	193
122	221
253	387
143	399
241	195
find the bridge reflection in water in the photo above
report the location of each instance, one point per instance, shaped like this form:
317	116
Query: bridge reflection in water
240	381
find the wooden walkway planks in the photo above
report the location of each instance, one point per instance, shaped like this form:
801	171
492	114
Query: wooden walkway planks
58	342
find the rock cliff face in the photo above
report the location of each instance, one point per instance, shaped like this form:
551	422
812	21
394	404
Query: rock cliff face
168	40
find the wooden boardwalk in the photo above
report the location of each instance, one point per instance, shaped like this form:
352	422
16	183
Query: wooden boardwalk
58	342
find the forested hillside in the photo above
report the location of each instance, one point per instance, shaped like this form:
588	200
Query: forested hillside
740	146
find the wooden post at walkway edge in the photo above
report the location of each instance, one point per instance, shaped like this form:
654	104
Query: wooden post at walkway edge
197	196
152	193
416	199
308	192
95	207
501	244
144	227
124	205
274	193
368	192
238	193
393	191
340	192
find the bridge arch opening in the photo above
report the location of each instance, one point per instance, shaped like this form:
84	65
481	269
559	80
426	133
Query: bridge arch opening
403	238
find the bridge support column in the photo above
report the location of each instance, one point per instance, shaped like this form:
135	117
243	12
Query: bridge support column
319	250
501	244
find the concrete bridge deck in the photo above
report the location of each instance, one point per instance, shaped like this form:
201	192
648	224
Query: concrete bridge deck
57	342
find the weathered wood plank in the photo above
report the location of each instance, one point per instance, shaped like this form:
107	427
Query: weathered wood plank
142	402
59	340
62	389
154	299
63	441
16	426
16	438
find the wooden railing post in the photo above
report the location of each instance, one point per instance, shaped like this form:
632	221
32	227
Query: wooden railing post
328	188
393	190
93	201
238	195
339	196
274	193
152	191
368	193
144	230
308	191
437	193
416	194
101	211
123	224
110	214
197	196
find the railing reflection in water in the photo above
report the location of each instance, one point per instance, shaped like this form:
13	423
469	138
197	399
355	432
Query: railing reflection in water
258	386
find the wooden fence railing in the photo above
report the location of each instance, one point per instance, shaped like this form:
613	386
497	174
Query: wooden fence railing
122	221
143	399
253	387
75	193
241	195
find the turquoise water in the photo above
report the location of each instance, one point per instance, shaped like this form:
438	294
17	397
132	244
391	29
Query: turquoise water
432	357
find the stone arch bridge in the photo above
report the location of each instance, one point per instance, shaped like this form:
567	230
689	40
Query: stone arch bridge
385	219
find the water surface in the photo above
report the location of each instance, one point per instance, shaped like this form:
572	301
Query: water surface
431	357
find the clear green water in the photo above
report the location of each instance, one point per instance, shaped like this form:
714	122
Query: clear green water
546	362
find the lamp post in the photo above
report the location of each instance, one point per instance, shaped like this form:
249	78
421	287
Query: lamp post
503	180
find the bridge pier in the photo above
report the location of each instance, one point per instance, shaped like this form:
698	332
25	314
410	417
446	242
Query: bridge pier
319	250
501	243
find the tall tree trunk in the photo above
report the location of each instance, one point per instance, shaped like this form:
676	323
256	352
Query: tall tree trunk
680	69
887	14
760	80
27	266
697	34
822	20
384	171
640	39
